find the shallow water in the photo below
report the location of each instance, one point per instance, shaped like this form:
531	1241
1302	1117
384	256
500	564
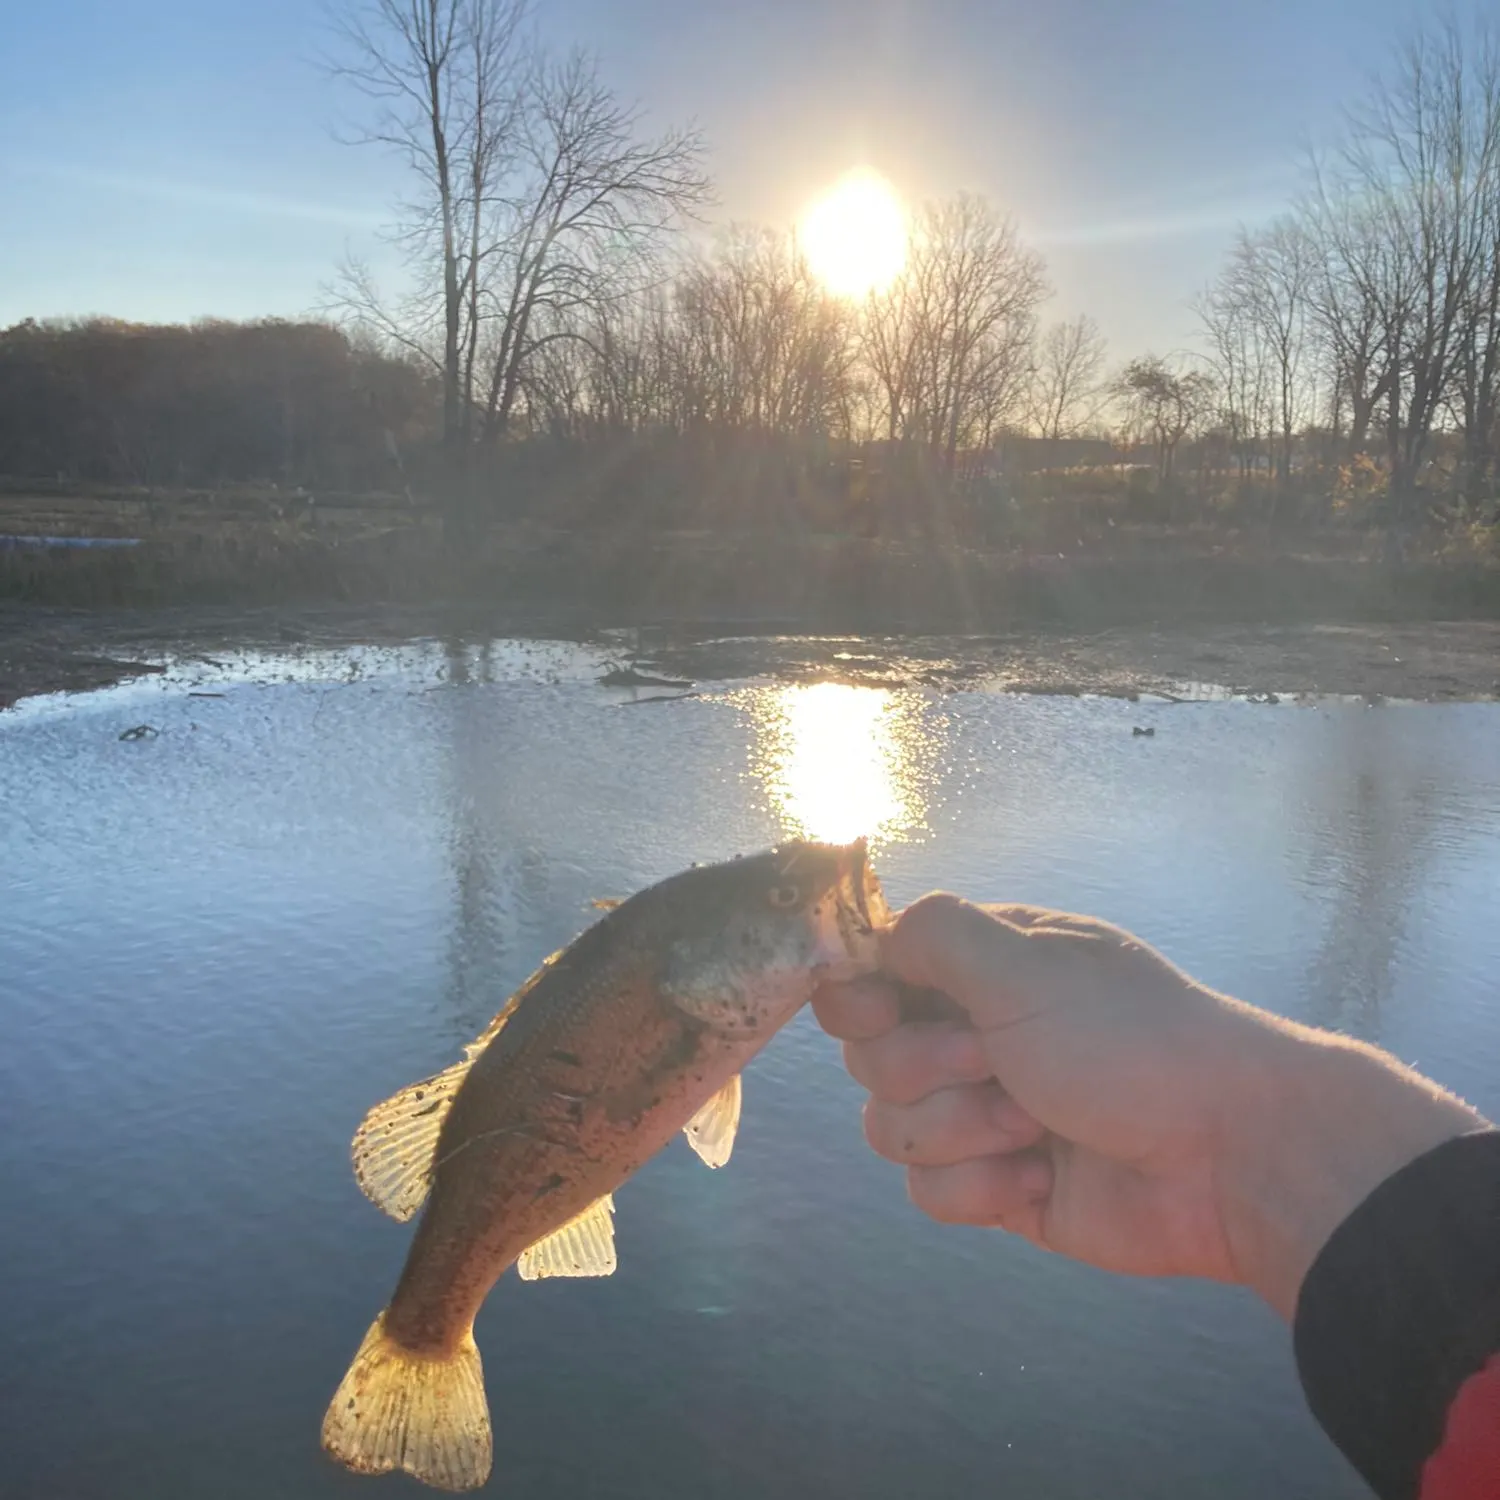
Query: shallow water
222	941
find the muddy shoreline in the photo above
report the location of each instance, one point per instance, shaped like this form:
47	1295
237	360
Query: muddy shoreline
47	650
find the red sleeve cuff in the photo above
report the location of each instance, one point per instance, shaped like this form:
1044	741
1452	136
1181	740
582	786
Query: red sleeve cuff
1402	1309
1467	1465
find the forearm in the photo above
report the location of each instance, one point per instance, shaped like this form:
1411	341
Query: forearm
1316	1123
1366	1207
1398	1328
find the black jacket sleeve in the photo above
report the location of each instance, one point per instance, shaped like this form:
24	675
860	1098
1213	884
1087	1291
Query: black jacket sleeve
1401	1307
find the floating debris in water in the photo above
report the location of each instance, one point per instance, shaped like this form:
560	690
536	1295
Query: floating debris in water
1144	734
630	677
140	732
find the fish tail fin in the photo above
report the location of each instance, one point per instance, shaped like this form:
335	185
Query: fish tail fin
398	1409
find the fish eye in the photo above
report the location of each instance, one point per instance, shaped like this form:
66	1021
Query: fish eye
784	897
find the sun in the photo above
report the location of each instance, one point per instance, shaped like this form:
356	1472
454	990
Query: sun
854	236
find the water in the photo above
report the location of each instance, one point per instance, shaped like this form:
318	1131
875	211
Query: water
222	942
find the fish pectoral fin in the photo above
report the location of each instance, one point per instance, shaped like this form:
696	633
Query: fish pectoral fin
584	1246
711	1131
395	1144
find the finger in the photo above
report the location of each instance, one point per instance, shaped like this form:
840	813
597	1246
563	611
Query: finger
995	970
929	1005
952	1125
908	1063
865	1007
999	1192
1035	918
1019	915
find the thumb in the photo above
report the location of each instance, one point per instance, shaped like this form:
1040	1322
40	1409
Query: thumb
984	962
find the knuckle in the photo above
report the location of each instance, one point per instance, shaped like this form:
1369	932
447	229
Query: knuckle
833	1016
937	908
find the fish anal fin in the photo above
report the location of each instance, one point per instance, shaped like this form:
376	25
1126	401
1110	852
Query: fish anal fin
584	1246
711	1131
396	1409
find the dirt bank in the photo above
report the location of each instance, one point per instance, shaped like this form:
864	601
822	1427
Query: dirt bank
50	650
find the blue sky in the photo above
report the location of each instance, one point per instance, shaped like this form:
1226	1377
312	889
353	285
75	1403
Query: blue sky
169	159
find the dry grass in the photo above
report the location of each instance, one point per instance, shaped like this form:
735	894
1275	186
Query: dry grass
261	546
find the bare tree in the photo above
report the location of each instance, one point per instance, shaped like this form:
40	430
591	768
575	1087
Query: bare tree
765	345
891	328
949	344
1065	387
980	291
537	201
1239	360
442	77
1423	151
1163	404
583	221
1260	310
1357	299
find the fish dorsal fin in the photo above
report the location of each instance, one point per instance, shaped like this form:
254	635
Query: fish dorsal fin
394	1145
711	1131
490	1032
584	1246
393	1148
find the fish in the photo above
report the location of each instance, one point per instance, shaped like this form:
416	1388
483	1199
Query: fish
636	1031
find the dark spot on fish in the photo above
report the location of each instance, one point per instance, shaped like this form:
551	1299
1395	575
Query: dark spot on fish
679	1054
573	1060
551	1185
420	1095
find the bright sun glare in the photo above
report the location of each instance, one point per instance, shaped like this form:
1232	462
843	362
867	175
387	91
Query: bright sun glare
854	236
839	761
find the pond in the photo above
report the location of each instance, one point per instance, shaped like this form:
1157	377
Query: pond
223	939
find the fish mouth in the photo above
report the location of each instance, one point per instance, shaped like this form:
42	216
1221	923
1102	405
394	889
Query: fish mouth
860	907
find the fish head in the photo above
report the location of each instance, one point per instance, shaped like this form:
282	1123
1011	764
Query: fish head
752	938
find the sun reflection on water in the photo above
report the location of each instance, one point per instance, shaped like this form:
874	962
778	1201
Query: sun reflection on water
841	761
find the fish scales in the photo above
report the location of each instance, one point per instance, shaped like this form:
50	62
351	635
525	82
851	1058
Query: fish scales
534	1137
638	1030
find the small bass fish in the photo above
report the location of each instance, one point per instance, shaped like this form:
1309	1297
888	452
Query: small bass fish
635	1031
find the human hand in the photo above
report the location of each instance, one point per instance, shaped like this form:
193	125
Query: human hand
1096	1100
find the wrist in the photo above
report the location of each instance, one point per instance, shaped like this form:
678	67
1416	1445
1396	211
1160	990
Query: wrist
1318	1123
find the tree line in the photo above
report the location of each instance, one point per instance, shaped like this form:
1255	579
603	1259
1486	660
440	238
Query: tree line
1369	313
192	406
561	292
